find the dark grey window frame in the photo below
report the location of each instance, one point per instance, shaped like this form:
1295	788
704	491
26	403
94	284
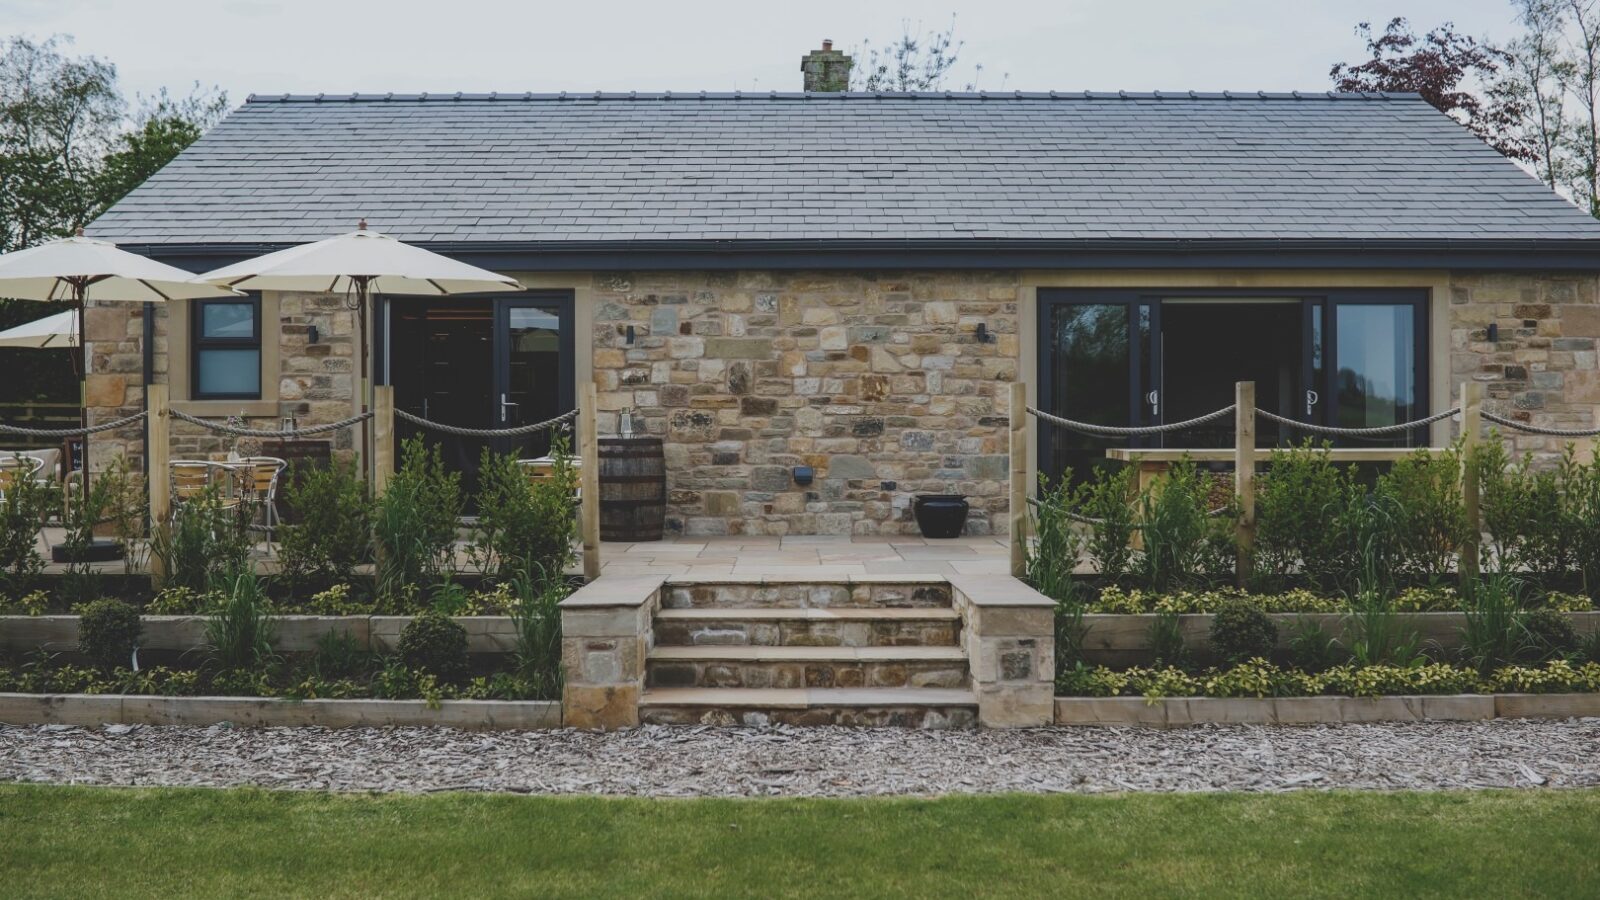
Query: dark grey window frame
198	342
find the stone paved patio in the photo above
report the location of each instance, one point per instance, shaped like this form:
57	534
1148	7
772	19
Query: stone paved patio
815	555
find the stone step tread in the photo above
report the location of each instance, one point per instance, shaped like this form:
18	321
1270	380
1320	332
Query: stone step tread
767	653
804	698
885	579
813	613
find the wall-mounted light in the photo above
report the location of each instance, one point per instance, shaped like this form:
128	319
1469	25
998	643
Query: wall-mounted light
312	334
803	475
1494	332
628	336
984	336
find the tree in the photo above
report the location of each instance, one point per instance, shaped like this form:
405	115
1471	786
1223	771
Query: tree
68	150
1459	75
911	62
1558	81
163	128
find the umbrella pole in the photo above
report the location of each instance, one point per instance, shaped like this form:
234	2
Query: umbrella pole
364	382
83	384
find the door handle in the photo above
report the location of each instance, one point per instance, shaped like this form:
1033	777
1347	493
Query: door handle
1311	400
505	409
1154	399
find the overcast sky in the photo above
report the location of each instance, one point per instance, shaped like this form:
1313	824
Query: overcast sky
338	46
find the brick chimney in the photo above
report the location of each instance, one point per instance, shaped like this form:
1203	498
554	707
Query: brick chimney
826	69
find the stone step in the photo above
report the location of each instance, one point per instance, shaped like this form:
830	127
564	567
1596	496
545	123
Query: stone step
903	591
790	626
801	666
869	707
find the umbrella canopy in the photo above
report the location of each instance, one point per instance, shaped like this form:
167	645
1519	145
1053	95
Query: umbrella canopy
362	261
79	268
59	330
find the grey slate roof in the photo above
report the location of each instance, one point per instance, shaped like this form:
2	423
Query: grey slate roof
690	167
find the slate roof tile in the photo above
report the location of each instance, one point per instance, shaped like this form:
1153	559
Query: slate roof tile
1019	165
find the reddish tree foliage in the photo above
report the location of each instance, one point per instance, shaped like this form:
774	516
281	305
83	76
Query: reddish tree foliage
1454	72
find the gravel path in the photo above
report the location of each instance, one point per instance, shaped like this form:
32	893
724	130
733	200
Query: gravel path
828	762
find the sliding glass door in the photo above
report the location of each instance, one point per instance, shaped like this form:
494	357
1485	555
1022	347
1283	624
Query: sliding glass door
1347	358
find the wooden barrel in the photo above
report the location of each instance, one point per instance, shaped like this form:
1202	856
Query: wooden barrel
633	489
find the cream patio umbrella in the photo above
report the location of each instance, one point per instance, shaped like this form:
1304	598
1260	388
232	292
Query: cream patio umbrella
79	269
359	264
50	332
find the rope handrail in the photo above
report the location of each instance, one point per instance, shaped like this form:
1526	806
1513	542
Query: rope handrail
1120	431
486	432
1539	429
80	431
1374	431
269	433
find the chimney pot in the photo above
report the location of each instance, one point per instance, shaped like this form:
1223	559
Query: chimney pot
827	44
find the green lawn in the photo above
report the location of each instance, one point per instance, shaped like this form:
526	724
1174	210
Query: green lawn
80	842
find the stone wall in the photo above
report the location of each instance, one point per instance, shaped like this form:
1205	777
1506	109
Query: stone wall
312	382
1543	367
877	381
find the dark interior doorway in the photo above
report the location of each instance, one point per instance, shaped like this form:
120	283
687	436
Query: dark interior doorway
1211	344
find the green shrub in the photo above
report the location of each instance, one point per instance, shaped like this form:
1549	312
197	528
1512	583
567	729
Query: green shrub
1167	645
1240	631
1106	502
434	644
416	520
332	530
1424	493
1377	636
1313	649
108	632
176	600
239	631
526	524
1299	501
1175	524
1259	679
536	616
1550	633
1052	556
206	540
33	603
1521	510
338	655
338	600
26	504
1494	634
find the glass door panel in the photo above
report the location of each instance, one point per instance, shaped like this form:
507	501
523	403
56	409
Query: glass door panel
1092	364
1376	369
534	361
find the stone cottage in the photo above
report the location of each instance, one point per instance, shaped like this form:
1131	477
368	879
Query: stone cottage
849	282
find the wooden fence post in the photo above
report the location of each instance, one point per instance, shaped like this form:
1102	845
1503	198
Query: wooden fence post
1244	475
383	437
1019	479
158	437
1471	436
589	478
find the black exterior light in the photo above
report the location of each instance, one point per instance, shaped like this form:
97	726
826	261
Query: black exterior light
803	475
628	337
1494	332
984	336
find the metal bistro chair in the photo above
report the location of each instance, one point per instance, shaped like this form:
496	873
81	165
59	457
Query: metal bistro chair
17	468
258	486
545	467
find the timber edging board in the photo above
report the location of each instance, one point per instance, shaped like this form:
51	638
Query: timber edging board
1178	712
265	712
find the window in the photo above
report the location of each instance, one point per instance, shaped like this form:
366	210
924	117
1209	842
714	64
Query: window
226	349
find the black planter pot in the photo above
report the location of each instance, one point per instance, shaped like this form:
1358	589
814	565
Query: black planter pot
940	515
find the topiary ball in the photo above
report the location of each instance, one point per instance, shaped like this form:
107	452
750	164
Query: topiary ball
1550	632
435	644
1241	631
108	630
